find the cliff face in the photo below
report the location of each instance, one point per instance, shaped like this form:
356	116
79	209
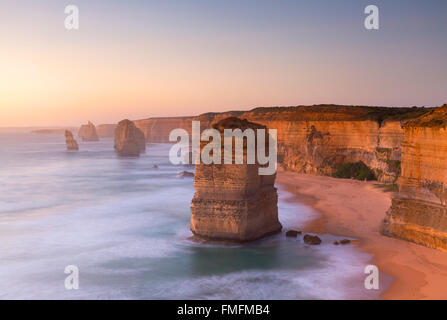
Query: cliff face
317	139
70	141
129	140
321	147
87	132
158	129
232	201
106	130
418	212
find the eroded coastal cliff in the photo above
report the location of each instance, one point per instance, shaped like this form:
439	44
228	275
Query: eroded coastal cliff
317	139
418	212
403	145
106	130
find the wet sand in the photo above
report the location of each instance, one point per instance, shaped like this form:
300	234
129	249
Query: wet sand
356	209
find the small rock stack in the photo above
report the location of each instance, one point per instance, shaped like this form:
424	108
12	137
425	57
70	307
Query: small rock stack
87	132
70	141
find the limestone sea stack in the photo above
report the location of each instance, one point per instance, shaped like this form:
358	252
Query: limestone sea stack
232	201
418	212
70	141
129	140
87	132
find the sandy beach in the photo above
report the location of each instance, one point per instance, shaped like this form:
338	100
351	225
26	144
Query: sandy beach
355	209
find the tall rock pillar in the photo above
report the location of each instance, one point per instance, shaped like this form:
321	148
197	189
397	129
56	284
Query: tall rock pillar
233	201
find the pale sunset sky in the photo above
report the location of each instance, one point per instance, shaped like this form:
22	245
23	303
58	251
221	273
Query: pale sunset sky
138	59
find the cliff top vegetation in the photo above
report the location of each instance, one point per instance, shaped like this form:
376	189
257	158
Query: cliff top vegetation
337	112
436	117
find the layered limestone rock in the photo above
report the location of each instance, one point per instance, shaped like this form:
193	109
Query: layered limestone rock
158	129
318	139
232	201
129	140
70	141
321	147
87	132
418	212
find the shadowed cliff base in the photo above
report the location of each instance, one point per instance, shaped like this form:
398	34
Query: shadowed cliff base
356	170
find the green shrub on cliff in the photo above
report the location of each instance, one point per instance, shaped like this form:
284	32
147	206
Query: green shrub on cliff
394	166
355	170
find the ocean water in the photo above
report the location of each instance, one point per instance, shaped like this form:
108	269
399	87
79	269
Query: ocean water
125	225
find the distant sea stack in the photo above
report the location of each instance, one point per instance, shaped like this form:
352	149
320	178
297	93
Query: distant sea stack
418	212
87	132
70	141
232	201
129	140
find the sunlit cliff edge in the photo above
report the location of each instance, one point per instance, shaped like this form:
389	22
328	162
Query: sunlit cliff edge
418	212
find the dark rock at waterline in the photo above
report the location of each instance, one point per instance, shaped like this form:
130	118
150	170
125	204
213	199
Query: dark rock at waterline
336	243
345	241
293	233
184	174
312	240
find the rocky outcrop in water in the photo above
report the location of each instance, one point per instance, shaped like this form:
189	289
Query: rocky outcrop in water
129	140
292	233
418	212
87	132
185	174
232	201
70	141
312	240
